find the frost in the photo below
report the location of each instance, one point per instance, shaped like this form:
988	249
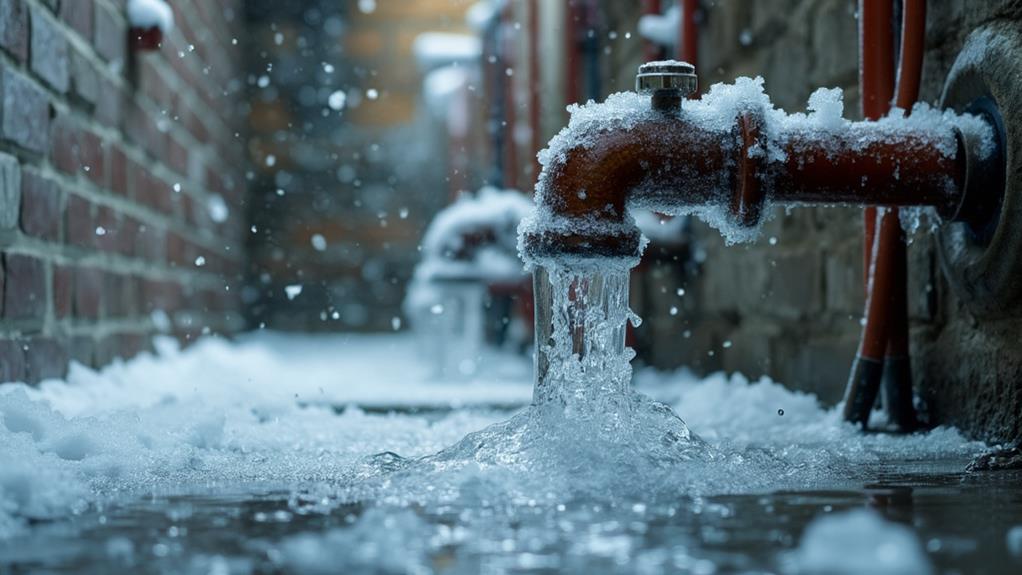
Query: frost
860	541
151	14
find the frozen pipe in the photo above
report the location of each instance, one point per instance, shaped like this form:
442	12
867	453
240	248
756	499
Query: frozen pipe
673	161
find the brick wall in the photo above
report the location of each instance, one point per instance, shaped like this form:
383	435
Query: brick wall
115	169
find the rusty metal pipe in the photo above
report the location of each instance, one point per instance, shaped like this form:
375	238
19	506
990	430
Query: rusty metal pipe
670	162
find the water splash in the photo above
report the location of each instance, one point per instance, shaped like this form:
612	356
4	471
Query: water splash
587	432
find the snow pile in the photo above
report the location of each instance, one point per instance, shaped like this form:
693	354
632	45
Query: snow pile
255	412
230	414
718	112
860	541
151	14
436	49
482	14
664	29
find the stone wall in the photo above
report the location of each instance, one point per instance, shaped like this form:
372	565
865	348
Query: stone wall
121	182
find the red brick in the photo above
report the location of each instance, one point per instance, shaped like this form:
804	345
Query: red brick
82	349
118	171
26	114
14	28
65	152
109	35
49	52
45	358
12	361
109	104
81	227
78	13
25	287
63	288
151	242
41	214
88	292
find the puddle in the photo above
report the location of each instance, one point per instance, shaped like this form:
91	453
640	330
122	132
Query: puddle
960	523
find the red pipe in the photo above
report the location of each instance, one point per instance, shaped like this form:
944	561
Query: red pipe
534	86
572	16
876	78
688	48
650	50
897	380
884	347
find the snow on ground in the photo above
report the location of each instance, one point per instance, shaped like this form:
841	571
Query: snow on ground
258	411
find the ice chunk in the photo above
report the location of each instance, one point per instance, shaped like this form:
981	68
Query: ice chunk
151	14
860	541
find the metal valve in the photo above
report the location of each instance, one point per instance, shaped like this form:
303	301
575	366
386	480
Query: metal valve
668	83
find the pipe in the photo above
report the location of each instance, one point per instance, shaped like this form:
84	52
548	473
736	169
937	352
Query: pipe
650	50
897	379
688	47
534	86
876	79
883	354
571	52
671	162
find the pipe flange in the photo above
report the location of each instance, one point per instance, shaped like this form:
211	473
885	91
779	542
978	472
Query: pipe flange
981	249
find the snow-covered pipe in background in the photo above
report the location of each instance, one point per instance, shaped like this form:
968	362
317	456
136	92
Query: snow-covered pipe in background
149	21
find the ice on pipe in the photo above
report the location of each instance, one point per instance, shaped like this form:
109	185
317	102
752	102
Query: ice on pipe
860	541
151	14
662	29
717	111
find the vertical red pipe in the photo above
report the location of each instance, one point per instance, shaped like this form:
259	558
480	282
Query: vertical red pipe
876	79
688	48
534	86
650	50
571	55
897	385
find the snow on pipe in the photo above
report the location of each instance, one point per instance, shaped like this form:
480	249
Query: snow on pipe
727	156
